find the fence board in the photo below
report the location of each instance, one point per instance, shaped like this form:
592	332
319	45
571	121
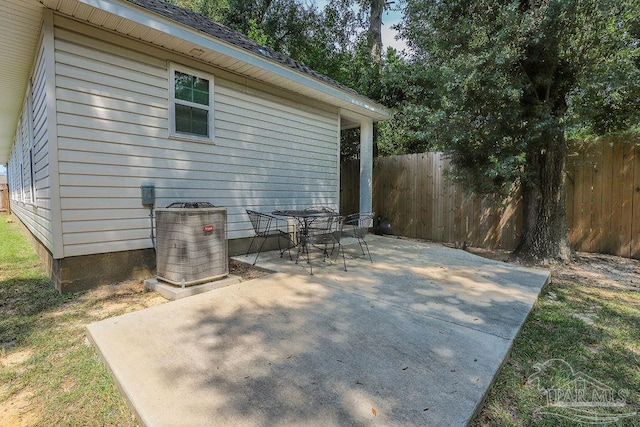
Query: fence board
597	214
615	240
435	199
627	200
458	236
576	234
421	172
635	208
606	243
429	185
587	200
570	184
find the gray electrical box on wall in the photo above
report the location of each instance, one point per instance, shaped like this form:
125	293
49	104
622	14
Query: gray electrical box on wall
148	195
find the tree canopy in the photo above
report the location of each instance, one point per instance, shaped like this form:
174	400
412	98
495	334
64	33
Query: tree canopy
489	80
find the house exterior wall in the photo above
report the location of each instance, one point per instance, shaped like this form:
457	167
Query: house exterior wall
271	150
28	167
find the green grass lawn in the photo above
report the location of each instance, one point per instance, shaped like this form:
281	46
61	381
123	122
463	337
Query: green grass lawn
588	316
49	374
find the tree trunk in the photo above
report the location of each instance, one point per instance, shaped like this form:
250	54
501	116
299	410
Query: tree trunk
374	38
545	236
375	30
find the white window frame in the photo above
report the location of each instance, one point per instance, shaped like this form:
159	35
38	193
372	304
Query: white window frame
32	165
23	197
19	146
30	132
173	68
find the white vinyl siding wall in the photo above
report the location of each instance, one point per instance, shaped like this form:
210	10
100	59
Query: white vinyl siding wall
113	136
34	210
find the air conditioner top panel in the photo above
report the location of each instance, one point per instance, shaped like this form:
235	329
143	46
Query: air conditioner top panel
191	210
191	205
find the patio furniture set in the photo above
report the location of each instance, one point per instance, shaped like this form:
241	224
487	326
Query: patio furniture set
305	229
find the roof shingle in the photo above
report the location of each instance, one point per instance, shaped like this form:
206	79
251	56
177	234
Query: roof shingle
212	28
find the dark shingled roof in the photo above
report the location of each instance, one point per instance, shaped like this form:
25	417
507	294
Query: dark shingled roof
212	28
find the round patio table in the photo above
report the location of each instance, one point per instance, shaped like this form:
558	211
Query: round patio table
306	219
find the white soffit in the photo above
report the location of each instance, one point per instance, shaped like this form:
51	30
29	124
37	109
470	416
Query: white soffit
20	23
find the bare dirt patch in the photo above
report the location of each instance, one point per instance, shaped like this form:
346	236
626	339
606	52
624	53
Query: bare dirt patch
16	411
494	254
605	271
599	270
246	271
119	298
15	358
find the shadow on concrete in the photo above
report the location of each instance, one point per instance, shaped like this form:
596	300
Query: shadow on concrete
412	339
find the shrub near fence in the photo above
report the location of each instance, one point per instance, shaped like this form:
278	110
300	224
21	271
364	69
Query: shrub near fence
413	192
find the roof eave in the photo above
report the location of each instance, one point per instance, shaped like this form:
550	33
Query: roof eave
341	98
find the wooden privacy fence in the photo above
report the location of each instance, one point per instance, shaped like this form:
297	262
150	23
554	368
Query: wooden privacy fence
603	198
414	194
4	198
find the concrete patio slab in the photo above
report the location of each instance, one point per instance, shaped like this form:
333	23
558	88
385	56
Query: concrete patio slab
414	338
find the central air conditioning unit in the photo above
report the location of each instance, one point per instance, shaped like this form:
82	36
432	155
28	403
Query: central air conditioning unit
191	243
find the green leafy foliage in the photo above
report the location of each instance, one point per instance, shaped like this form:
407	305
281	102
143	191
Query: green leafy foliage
215	9
490	81
328	40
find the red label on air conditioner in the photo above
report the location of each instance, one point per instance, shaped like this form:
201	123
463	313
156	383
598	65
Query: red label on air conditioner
208	228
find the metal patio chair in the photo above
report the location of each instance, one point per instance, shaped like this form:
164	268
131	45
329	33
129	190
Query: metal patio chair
265	226
322	232
360	223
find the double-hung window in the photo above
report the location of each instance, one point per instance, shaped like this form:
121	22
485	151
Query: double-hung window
191	114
